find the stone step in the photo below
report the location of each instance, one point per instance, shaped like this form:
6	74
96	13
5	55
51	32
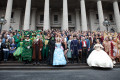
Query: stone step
44	67
41	64
12	62
15	65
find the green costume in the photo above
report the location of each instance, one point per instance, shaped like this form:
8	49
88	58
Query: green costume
27	50
33	36
19	30
27	33
14	36
38	32
19	34
19	51
17	40
45	50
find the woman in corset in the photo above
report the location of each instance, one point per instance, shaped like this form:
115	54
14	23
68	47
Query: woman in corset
99	58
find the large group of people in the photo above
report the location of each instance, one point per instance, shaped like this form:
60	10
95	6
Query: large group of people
55	47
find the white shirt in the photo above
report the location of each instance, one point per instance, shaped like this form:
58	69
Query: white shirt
0	45
37	39
84	44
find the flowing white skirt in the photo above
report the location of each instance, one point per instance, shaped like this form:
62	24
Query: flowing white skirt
99	59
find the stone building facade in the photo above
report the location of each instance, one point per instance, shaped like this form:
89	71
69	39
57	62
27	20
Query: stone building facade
60	14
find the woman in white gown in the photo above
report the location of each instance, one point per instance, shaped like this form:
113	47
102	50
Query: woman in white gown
99	58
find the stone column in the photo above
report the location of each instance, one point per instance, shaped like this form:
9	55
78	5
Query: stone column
46	25
61	18
117	14
65	15
33	19
27	15
83	16
100	15
77	20
8	14
17	19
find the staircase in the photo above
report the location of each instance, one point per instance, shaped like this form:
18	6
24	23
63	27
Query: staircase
15	65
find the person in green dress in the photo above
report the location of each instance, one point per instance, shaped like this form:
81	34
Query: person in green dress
31	33
45	49
69	53
18	33
27	50
17	39
19	50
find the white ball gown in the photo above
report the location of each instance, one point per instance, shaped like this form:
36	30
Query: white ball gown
99	58
59	58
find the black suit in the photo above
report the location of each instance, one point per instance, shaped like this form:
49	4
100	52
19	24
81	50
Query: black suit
51	45
1	51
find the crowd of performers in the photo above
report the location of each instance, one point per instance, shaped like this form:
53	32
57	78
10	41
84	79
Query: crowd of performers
55	47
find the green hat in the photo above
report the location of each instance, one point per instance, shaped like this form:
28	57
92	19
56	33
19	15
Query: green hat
38	34
31	30
39	31
27	33
19	30
33	34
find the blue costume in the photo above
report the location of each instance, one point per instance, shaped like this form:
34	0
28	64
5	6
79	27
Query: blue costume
88	43
74	47
12	50
58	57
88	46
12	46
69	54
